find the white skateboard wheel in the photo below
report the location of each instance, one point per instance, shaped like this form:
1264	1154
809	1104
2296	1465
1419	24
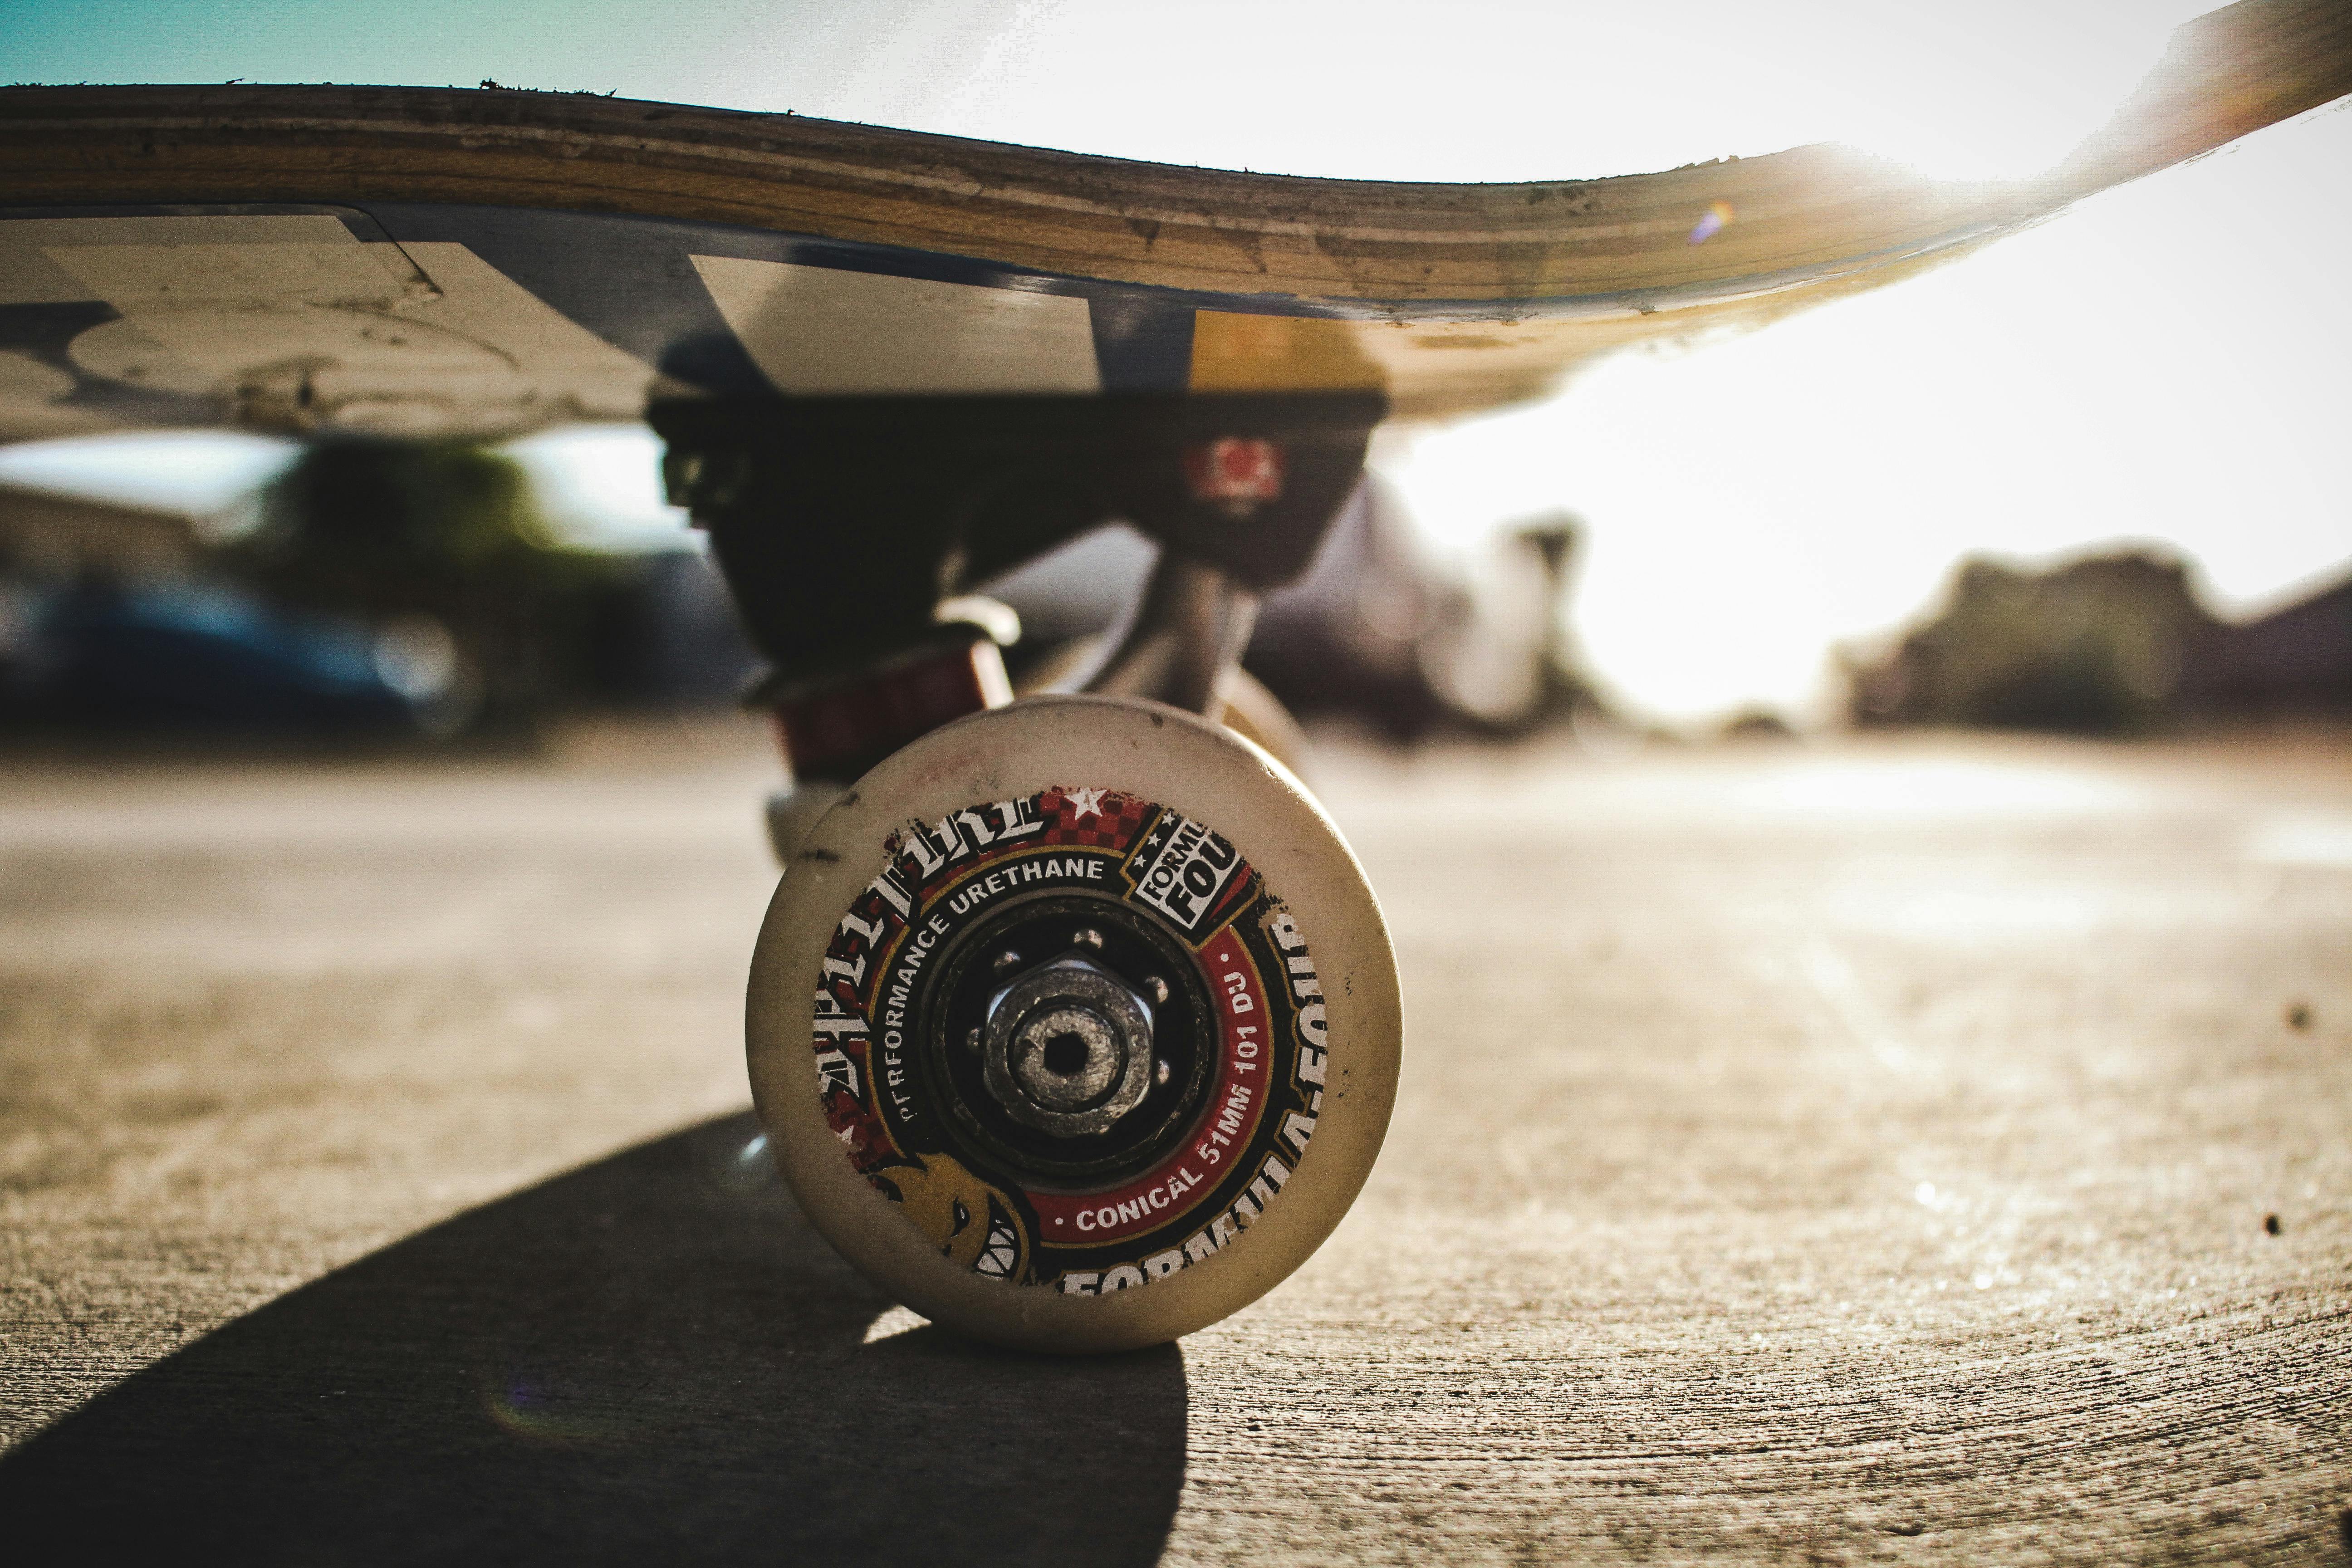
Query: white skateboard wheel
1246	708
1243	706
1075	1024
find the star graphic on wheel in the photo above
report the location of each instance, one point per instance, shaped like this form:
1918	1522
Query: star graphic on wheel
1084	803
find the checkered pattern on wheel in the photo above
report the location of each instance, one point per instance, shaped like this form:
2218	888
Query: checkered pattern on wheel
1114	827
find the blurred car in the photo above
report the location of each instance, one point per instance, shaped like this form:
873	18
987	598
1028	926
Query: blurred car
180	656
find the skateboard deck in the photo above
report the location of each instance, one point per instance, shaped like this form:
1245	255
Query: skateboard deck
479	263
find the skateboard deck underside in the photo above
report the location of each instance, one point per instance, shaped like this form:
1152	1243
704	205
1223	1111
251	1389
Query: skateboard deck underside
476	264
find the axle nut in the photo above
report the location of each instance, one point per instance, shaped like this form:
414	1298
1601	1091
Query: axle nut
1066	1048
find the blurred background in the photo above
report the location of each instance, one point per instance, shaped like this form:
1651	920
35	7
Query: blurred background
2092	478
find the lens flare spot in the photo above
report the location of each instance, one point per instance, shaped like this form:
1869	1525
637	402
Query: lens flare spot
525	1407
1718	215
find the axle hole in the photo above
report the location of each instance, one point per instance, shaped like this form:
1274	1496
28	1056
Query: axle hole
1064	1055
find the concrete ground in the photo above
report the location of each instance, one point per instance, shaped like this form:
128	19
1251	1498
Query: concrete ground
1932	1150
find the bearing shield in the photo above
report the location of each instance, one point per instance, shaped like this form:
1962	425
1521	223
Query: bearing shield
1230	1128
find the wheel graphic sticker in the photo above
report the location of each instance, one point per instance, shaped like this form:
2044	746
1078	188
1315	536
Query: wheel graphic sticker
1074	1036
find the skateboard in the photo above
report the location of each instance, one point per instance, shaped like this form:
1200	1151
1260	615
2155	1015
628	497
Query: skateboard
1074	1022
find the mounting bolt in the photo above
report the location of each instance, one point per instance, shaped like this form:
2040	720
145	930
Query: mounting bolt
1086	936
1157	987
1007	959
972	1039
1161	1072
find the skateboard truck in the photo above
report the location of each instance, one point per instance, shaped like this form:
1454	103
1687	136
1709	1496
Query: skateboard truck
1184	632
1193	619
843	523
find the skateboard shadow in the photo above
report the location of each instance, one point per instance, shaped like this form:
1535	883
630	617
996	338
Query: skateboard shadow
650	1359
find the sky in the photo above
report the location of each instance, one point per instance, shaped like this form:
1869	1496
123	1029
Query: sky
2166	364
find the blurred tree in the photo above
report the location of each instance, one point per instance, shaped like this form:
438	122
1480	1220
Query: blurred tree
2096	647
417	536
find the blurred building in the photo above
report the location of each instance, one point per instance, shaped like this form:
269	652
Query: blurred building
2295	661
